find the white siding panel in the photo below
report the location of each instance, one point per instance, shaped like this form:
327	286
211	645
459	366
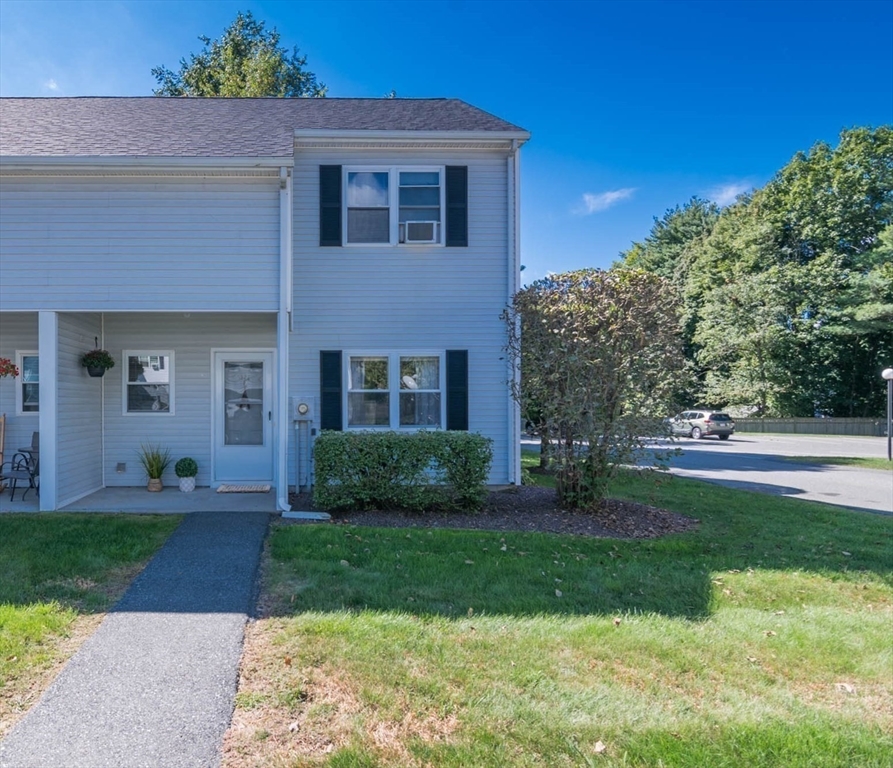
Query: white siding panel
405	298
188	431
18	332
139	243
79	404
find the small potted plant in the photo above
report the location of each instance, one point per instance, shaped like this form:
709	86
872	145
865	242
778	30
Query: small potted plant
97	362
154	461
186	469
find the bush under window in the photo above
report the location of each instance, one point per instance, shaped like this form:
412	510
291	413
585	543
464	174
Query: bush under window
392	470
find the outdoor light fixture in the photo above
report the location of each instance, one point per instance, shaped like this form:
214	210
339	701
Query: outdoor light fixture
887	373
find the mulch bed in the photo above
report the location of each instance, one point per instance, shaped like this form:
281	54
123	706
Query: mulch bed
527	508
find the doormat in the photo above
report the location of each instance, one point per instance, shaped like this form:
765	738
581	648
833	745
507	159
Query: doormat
261	488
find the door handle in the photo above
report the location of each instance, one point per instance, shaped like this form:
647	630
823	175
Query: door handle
269	415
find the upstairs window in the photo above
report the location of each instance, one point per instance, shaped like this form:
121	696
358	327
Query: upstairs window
405	205
368	207
419	213
387	206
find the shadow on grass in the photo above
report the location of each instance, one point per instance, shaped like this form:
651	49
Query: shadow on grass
787	542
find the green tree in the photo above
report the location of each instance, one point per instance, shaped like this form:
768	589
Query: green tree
246	61
600	362
744	340
679	229
668	251
804	264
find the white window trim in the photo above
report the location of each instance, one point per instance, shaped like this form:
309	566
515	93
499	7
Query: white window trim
20	381
126	355
393	388
393	172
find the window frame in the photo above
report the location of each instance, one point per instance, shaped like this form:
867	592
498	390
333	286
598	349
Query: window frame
20	382
393	172
393	357
126	355
350	391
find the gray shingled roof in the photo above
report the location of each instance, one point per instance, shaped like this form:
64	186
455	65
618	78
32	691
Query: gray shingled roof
154	126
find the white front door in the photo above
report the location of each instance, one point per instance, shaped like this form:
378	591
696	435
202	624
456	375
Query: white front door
243	417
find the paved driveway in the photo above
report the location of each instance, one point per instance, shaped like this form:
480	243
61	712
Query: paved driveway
756	462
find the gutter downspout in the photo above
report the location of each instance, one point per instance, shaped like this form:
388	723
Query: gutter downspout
513	168
283	326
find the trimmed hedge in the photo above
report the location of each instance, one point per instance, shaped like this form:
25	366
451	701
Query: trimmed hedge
393	470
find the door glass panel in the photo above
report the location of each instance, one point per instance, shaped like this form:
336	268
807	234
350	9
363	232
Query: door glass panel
244	406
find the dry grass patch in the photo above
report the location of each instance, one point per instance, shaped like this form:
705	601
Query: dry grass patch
284	711
289	714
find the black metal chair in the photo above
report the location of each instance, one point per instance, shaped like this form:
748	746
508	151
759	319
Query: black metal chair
22	468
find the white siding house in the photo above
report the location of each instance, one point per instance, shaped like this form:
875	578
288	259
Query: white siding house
238	256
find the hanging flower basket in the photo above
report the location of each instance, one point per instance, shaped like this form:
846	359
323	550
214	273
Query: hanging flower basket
8	368
97	362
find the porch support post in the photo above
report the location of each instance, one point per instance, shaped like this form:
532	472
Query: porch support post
48	349
282	422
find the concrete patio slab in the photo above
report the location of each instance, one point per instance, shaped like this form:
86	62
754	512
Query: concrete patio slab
168	501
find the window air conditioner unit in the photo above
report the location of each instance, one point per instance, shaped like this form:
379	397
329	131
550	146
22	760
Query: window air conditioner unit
421	231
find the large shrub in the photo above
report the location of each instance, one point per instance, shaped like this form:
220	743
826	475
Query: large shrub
392	470
600	361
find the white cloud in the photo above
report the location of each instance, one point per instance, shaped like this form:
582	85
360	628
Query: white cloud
593	203
726	194
51	85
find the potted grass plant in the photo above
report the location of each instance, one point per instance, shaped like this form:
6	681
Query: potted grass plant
154	460
186	469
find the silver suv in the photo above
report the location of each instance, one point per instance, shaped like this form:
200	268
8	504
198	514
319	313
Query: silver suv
698	424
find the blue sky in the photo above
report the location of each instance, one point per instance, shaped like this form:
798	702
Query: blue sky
634	106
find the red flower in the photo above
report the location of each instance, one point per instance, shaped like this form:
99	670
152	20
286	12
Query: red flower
7	368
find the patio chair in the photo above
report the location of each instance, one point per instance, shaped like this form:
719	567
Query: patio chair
22	468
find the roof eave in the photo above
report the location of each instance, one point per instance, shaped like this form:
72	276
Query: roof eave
141	161
412	136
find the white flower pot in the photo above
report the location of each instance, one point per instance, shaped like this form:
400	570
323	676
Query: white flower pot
187	484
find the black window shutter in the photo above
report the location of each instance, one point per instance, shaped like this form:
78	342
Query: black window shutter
330	205
457	389
330	390
457	206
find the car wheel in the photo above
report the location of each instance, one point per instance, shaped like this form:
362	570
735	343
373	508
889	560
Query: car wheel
695	433
723	437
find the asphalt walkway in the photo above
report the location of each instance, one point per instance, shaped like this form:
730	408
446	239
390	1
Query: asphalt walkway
154	686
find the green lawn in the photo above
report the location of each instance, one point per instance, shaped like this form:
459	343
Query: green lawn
58	573
761	639
845	461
